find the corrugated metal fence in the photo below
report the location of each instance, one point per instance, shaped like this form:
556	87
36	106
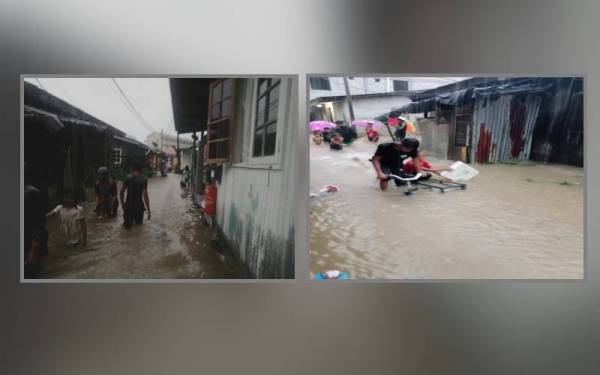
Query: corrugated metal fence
503	127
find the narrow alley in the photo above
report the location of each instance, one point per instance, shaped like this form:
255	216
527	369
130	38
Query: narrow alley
174	243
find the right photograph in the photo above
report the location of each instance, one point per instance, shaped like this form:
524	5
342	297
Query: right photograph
446	177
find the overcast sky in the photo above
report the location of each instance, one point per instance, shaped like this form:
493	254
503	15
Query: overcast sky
100	98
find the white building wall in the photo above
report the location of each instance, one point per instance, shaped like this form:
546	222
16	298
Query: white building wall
358	85
366	108
255	202
378	85
186	157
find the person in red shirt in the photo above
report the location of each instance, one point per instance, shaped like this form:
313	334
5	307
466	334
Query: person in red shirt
372	135
426	168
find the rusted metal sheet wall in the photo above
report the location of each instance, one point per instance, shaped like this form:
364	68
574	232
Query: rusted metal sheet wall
255	203
502	128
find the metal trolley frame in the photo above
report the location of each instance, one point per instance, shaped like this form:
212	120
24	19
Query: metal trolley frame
440	185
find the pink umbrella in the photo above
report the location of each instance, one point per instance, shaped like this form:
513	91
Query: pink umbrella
320	125
366	123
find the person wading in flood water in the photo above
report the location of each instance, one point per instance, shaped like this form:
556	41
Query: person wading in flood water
389	159
136	186
106	194
72	220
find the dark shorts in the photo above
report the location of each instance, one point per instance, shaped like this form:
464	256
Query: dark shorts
334	146
133	214
397	171
106	206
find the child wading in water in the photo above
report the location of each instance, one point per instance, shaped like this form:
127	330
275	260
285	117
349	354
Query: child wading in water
72	220
106	194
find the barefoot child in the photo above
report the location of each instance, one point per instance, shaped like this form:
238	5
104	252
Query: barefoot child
72	220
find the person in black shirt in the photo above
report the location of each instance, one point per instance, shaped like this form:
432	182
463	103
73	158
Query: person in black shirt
345	131
337	142
389	159
136	186
349	134
326	135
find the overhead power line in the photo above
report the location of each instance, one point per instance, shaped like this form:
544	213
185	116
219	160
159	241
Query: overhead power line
131	108
65	91
118	95
40	83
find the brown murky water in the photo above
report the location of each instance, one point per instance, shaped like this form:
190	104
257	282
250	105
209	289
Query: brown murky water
173	244
512	221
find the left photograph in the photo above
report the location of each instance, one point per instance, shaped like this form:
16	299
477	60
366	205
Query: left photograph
127	178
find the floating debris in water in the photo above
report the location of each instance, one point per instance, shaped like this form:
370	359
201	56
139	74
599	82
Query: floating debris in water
567	183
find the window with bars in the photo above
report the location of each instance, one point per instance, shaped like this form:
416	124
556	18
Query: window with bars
461	135
117	156
220	118
267	106
400	85
320	83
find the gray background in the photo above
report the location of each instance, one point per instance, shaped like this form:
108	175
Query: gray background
298	327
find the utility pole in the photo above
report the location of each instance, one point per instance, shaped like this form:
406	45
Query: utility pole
349	99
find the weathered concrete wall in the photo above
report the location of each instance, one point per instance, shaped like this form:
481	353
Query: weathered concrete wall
255	203
434	137
368	108
186	157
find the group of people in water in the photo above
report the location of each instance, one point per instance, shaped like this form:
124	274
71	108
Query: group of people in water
401	157
337	137
133	197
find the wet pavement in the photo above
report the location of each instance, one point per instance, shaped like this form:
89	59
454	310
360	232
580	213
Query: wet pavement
173	244
512	221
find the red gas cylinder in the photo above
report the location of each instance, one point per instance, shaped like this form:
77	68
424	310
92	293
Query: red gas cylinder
210	199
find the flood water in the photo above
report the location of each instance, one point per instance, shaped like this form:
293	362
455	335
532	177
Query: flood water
173	244
512	221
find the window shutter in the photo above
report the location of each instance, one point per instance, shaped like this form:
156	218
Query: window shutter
220	122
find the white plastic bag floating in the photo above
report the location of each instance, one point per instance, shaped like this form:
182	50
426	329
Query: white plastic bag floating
460	171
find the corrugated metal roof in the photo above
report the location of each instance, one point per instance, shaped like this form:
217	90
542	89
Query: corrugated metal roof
132	141
51	120
66	112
